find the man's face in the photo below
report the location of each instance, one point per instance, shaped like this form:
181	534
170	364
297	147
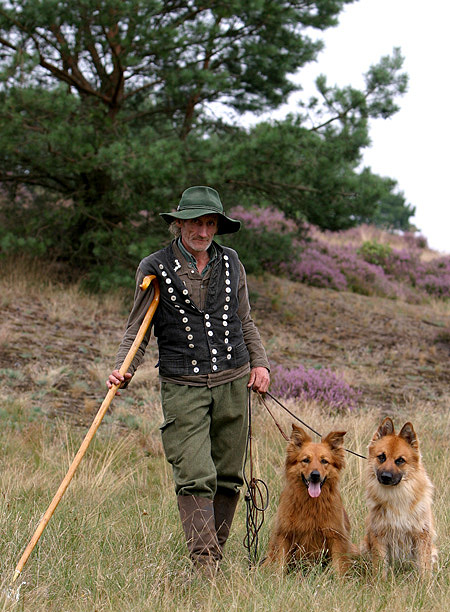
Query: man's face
197	234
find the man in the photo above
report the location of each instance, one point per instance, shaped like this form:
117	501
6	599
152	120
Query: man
210	354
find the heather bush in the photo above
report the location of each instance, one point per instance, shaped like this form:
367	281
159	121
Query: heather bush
266	239
322	386
316	267
358	260
434	277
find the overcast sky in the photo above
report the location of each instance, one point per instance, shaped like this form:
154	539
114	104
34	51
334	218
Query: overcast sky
413	146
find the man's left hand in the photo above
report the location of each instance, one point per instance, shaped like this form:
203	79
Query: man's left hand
259	379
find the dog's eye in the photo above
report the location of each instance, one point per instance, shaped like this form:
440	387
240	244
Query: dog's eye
399	461
306	460
381	458
324	461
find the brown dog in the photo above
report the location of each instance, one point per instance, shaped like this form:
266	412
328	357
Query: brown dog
399	496
311	523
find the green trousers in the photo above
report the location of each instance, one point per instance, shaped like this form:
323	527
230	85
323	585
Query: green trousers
204	436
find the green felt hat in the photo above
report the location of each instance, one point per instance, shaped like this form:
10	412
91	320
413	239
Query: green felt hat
198	201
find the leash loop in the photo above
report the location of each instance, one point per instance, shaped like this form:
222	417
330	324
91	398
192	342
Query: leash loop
298	419
256	498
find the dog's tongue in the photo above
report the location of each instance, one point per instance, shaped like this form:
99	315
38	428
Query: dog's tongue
314	489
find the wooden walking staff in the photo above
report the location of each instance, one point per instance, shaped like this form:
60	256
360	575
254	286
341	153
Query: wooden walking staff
98	419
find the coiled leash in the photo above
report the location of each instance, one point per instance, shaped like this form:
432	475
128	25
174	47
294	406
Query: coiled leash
298	419
256	497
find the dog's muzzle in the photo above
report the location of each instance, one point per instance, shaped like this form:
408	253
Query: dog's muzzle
388	478
314	483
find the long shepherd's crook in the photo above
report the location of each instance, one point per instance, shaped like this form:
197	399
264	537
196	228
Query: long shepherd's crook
95	424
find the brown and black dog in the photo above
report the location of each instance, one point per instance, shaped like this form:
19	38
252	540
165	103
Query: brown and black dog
399	525
311	523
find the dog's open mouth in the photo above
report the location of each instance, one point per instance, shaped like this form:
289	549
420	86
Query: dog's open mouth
313	484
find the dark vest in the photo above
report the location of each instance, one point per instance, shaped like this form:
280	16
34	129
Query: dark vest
192	341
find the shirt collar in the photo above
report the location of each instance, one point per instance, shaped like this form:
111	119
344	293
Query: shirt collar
212	251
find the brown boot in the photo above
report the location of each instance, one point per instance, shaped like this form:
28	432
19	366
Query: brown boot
224	509
197	518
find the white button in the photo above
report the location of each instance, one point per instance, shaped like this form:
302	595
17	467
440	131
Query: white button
185	319
227	273
226	340
227	299
227	289
226	307
227	333
170	289
161	267
214	351
173	298
225	257
224	323
196	370
224	316
191	346
194	362
187	301
208	324
227	281
228	356
214	359
168	281
210	333
187	328
229	348
190	337
214	368
164	273
181	311
185	291
206	316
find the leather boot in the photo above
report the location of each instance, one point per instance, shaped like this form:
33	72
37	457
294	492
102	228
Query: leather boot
197	518
224	509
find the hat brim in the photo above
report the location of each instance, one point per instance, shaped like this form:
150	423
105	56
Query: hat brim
226	224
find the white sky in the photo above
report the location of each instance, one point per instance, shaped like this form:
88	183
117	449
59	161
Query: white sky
413	146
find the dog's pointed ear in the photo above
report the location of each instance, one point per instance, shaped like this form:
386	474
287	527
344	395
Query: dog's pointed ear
409	435
299	436
385	429
335	439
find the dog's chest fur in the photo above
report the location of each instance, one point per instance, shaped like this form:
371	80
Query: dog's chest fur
399	514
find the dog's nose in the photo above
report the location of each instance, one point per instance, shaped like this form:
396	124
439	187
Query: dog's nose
314	476
389	478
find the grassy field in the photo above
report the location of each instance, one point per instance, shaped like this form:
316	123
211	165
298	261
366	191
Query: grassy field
115	543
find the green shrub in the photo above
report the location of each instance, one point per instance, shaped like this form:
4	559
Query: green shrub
374	252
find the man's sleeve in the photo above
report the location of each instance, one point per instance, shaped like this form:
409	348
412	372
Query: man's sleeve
252	338
142	300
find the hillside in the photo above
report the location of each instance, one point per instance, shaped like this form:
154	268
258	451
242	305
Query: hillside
58	345
115	542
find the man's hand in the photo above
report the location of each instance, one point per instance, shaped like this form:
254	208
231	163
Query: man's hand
116	378
259	379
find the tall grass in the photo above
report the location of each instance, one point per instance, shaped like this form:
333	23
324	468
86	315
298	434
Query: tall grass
115	543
